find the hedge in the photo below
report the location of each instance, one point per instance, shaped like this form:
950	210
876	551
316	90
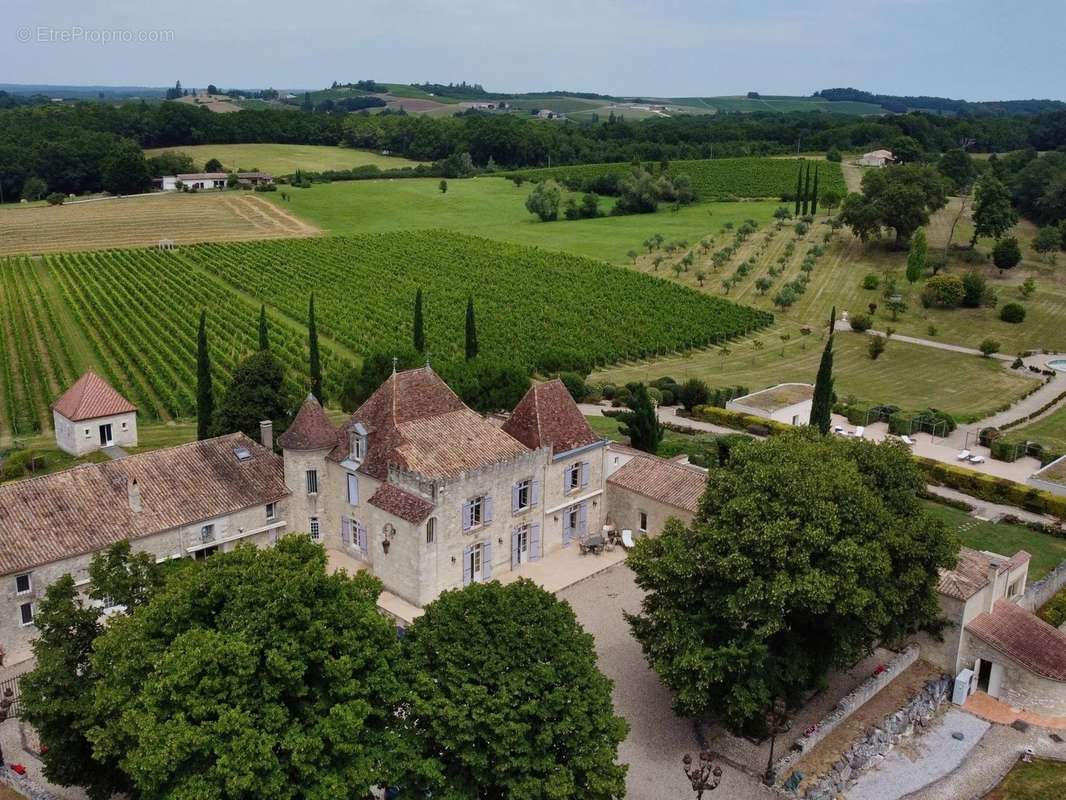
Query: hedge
739	421
991	488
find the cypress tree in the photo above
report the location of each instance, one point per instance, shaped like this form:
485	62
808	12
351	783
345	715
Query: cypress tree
205	395
640	423
471	330
822	406
420	334
799	188
814	194
316	364
806	191
264	337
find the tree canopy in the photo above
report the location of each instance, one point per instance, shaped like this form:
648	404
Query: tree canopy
993	214
640	423
256	392
900	198
525	714
809	551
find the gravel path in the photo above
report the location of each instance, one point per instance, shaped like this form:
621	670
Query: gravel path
921	760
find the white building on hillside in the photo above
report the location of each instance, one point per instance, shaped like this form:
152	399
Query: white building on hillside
91	415
789	403
877	158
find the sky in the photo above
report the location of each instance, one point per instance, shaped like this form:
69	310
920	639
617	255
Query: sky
975	50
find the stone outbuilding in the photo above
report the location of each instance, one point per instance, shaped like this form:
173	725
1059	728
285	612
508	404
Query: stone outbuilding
91	415
643	491
789	403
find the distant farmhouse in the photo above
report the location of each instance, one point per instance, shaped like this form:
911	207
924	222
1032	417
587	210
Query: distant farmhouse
877	158
211	180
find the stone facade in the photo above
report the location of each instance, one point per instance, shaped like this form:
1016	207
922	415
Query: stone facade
1012	682
643	515
79	438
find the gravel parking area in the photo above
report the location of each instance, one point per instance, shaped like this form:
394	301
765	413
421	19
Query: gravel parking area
657	738
923	759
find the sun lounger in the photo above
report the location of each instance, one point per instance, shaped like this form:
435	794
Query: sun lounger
976	459
964	455
907	440
627	539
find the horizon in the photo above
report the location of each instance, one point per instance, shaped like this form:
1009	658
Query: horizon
613	47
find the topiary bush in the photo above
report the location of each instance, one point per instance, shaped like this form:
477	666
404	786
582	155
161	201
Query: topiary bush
861	323
1013	313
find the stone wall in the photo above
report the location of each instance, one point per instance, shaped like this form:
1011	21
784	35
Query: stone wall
1037	594
847	706
871	750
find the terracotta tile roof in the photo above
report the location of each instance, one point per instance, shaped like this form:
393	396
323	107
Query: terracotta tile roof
311	430
548	417
91	397
416	422
1033	643
677	485
970	574
401	503
86	508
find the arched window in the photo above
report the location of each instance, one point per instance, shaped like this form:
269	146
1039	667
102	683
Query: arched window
431	530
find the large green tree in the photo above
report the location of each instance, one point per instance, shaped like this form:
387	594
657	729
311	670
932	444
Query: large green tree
508	701
315	361
957	166
900	198
640	423
993	214
253	674
544	201
916	256
256	392
205	393
822	404
124	170
809	551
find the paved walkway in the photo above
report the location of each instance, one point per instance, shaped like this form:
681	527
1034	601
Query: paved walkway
114	452
993	512
988	707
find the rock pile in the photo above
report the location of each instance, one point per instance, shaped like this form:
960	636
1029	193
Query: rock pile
871	750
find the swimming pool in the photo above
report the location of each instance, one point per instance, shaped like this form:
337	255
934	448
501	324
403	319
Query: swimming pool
1058	364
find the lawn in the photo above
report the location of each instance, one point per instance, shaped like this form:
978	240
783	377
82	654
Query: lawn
1006	540
672	444
495	208
907	375
1039	780
284	159
1049	431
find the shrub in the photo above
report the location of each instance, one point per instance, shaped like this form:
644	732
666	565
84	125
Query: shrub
608	390
668	398
738	421
861	323
992	489
973	289
1013	313
694	392
1006	254
833	154
871	281
943	291
18	464
55	199
988	347
1054	611
876	347
575	384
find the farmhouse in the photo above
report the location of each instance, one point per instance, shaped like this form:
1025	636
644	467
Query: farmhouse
994	644
877	158
211	180
789	403
91	415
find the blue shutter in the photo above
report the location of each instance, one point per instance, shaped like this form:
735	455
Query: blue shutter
514	547
466	522
567	530
486	560
346	530
534	542
566	480
583	519
353	490
486	509
535	494
360	537
584	474
467	577
515	499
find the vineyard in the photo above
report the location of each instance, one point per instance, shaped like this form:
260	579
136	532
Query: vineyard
714	179
534	308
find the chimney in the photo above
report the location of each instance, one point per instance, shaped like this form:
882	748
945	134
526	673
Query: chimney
134	493
266	434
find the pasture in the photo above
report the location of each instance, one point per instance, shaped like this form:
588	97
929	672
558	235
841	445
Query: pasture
142	221
284	159
780	104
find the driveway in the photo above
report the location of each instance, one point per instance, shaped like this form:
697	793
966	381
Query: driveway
657	738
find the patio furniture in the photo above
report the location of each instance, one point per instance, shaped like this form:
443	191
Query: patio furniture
976	459
627	539
859	431
591	544
964	455
839	429
907	440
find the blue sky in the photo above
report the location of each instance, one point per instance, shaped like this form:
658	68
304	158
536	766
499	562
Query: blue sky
978	50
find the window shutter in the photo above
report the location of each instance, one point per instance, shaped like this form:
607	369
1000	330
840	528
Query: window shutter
353	489
583	519
567	531
346	530
486	509
486	560
584	474
535	494
466	521
467	577
566	479
514	498
360	535
514	547
534	542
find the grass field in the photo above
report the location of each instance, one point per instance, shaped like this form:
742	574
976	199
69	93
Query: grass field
1039	780
285	159
780	104
142	221
907	375
1049	431
1006	540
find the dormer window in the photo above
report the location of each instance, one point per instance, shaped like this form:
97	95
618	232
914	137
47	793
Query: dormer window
357	443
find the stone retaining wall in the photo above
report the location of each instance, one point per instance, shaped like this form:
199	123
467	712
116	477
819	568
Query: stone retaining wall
1037	594
871	750
847	706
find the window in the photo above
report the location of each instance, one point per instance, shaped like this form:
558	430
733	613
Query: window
271	511
359	448
477	511
125	425
312	481
643	521
88	433
23	584
26	614
207	533
315	530
576	477
1014	588
353	490
476	508
200	555
475	561
522	496
431	530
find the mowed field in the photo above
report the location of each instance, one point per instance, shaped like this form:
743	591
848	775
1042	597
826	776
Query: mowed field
142	221
285	159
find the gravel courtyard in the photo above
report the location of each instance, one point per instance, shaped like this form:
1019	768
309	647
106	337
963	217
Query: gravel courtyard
657	738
